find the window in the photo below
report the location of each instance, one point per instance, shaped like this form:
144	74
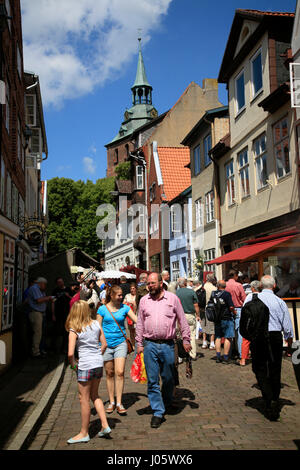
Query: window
139	177
209	255
260	155
2	186
19	141
256	74
8	196
281	142
207	147
8	296
244	173
240	92
30	110
141	218
209	205
15	204
176	219
8	283
36	144
21	210
175	271
19	61
8	10
7	110
154	222
152	192
230	185
116	156
199	213
197	165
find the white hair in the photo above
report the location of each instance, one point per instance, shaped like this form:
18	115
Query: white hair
267	282
256	285
182	282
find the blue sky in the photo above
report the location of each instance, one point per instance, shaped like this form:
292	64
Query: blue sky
87	70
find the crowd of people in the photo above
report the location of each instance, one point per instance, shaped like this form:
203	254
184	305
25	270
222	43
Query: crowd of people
162	317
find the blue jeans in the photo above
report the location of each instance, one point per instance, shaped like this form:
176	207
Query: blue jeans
237	329
160	360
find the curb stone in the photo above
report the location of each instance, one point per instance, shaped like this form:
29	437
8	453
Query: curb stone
28	431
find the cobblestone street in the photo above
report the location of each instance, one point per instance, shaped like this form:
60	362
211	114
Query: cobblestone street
220	409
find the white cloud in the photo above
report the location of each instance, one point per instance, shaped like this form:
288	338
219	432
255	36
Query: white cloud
77	45
93	149
89	165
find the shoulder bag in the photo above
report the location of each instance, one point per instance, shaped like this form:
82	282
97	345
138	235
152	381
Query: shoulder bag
129	345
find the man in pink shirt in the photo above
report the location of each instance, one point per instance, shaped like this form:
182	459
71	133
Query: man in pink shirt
238	296
155	333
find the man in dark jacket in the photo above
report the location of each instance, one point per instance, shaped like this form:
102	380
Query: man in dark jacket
125	286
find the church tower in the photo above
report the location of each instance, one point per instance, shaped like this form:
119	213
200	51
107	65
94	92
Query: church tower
142	110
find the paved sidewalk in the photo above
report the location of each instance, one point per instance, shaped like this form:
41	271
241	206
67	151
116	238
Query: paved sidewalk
212	415
22	390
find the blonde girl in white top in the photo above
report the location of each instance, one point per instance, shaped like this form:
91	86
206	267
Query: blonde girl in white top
86	334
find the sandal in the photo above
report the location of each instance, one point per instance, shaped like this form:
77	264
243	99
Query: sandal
110	408
121	410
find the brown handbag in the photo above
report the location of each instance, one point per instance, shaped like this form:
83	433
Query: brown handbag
129	344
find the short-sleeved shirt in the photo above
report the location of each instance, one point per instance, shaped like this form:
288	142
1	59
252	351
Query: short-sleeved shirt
188	298
111	330
237	292
88	347
35	293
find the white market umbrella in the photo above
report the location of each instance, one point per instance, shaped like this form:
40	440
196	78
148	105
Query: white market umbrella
116	275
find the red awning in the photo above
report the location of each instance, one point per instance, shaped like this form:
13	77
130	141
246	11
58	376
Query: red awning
251	251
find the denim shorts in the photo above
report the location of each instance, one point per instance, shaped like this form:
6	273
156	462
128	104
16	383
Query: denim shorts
225	329
90	374
120	350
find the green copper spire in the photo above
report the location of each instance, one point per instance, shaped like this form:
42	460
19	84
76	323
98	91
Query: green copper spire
141	78
142	110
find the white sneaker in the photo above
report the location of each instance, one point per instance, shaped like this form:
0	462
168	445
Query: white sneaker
204	345
180	360
212	346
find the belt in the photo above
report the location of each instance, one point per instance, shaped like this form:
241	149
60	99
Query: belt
160	341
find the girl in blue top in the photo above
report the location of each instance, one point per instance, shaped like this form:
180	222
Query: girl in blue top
115	355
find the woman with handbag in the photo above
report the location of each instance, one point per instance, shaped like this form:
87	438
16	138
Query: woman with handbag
112	318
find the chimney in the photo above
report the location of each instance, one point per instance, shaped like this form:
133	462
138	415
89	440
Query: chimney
210	84
210	89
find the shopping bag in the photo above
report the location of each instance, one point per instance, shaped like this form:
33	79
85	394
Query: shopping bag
138	371
143	376
198	329
135	371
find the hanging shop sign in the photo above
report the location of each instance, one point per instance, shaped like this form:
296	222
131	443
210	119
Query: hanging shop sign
34	232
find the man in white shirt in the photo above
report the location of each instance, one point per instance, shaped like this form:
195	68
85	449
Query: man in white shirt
267	353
